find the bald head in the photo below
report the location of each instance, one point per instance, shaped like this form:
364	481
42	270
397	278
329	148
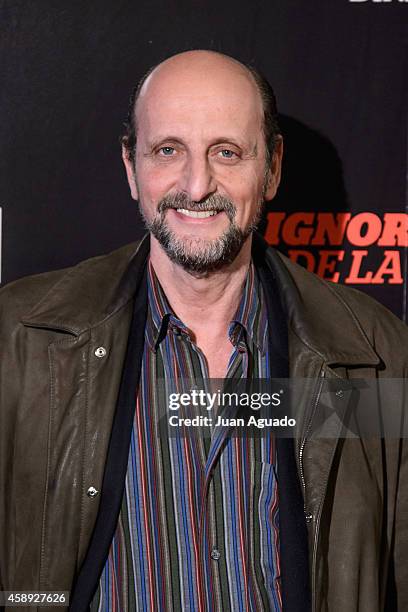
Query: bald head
207	73
198	62
192	70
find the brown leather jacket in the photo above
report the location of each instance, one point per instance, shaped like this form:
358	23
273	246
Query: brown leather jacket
58	394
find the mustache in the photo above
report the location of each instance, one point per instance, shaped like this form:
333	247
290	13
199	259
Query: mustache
213	202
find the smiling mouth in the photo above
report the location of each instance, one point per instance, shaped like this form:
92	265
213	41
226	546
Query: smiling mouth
197	214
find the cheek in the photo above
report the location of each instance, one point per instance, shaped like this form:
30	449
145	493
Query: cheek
246	193
244	180
154	183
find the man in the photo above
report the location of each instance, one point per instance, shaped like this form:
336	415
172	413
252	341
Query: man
93	500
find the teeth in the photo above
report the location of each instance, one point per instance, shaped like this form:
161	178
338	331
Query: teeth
198	215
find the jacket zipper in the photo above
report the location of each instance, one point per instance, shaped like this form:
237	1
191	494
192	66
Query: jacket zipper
302	478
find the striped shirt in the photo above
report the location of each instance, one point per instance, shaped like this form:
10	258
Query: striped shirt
198	528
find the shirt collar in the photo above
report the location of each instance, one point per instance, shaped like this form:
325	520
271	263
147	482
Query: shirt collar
250	316
160	315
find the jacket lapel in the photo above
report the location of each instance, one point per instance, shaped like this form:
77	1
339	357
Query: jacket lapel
324	340
294	558
116	460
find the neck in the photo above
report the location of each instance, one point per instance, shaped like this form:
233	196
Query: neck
206	304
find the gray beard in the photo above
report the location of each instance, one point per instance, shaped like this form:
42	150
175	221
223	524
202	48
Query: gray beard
198	256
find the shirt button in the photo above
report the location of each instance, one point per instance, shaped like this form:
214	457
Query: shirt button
308	517
215	554
100	351
92	492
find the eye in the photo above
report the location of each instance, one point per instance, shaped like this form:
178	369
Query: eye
167	151
227	154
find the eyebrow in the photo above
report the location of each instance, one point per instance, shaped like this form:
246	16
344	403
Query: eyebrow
253	151
157	141
233	141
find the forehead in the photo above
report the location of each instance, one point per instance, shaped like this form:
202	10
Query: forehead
203	98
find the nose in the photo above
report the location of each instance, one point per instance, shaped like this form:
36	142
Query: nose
198	181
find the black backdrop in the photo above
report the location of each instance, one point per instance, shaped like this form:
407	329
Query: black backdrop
340	72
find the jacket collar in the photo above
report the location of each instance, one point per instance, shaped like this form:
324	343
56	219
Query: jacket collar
91	292
317	314
94	290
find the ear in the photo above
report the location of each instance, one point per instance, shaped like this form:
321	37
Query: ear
130	173
274	173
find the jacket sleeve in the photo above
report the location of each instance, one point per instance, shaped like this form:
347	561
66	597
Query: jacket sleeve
398	576
15	358
8	411
389	337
